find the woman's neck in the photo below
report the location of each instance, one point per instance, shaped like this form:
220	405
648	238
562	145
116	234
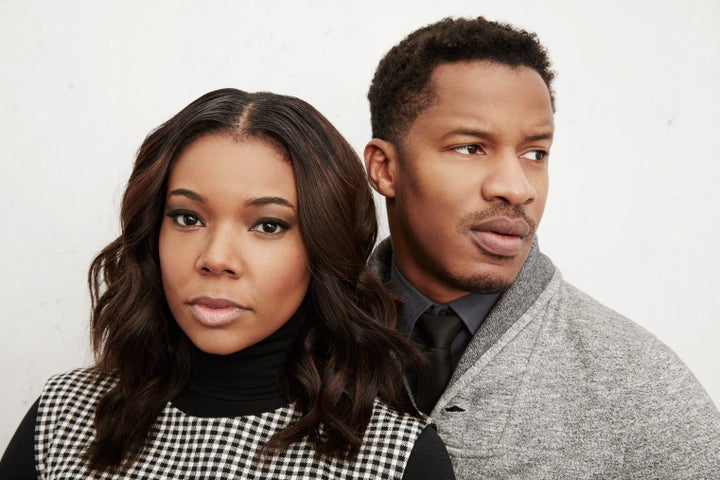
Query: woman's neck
247	382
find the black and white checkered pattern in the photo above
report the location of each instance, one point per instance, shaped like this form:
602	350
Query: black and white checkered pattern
183	446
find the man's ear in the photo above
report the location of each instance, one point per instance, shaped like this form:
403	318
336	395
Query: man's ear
381	166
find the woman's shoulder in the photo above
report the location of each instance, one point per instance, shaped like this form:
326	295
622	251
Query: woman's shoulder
385	416
415	439
393	430
82	384
84	375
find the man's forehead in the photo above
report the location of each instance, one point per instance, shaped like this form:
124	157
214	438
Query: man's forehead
479	95
483	76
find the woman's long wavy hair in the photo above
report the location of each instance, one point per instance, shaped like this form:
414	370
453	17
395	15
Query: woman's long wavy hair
349	352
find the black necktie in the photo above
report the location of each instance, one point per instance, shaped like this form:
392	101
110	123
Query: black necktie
439	332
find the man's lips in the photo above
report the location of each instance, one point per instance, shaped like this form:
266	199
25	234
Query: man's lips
516	227
216	312
501	236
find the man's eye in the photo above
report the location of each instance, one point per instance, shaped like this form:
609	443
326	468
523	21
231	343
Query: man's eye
468	149
535	155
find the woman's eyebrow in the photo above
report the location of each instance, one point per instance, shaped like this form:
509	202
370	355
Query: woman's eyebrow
184	192
260	201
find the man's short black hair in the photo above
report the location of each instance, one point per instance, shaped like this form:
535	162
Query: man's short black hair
401	88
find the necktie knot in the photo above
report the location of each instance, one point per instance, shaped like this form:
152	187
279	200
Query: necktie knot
439	330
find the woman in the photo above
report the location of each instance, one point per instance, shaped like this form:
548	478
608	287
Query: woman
238	332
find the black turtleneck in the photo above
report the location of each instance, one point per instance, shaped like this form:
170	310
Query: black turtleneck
247	382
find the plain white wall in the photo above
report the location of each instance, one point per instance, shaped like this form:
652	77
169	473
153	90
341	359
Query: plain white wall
632	216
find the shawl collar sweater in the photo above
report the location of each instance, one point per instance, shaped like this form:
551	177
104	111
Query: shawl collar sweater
555	385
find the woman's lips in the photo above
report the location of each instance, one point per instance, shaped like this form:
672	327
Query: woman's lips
215	312
501	237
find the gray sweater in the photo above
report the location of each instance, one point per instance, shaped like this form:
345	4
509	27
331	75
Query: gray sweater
555	385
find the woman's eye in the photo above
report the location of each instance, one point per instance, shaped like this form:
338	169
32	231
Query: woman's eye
185	219
468	149
270	227
535	155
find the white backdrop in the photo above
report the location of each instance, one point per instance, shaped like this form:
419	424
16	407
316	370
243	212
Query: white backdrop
633	211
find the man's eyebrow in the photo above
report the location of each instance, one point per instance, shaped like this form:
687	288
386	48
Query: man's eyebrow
184	192
540	136
483	134
468	133
260	201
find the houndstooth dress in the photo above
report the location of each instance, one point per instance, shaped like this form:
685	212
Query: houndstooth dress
188	447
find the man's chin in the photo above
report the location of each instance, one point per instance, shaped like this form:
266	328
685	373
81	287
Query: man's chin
488	287
483	283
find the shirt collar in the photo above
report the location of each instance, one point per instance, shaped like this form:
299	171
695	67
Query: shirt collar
471	308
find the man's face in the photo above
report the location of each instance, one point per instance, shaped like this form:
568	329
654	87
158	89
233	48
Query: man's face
467	186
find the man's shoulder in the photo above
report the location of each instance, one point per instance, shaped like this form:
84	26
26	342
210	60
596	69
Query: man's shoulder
579	315
594	341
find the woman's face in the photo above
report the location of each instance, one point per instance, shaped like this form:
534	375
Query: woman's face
234	265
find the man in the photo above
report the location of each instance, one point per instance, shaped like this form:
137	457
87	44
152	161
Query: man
546	382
